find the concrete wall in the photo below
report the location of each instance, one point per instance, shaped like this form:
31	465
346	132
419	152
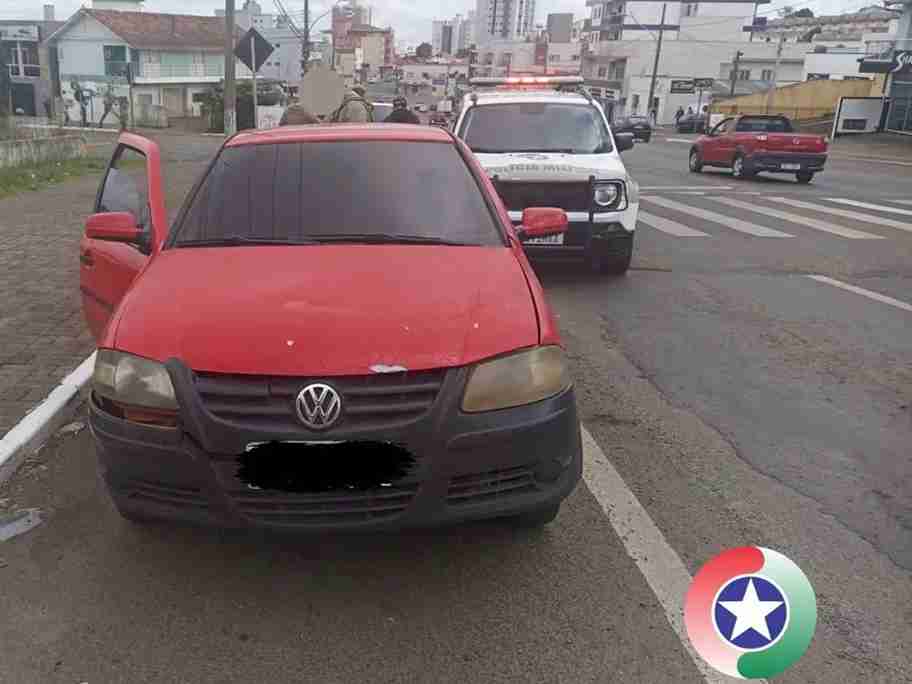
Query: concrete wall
17	152
808	100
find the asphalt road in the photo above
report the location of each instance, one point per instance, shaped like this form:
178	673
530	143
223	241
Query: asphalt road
741	401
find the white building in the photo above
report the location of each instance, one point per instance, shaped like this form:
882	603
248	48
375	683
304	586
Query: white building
504	58
499	20
441	78
835	28
729	20
174	59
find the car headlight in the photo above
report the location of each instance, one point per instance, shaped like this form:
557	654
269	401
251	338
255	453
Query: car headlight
135	388
516	380
608	195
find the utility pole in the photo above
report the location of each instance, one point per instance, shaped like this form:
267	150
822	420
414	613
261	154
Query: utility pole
655	66
734	74
772	91
255	102
230	92
306	47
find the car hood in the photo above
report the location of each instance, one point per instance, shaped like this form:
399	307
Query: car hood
328	309
540	167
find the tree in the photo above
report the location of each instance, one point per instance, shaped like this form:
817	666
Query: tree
803	13
424	51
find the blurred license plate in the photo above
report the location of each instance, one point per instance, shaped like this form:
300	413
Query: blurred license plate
549	240
790	167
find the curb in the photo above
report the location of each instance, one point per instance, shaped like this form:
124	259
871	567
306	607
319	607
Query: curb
40	423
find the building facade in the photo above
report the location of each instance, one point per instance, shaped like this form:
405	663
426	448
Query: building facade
161	64
612	20
22	52
503	20
892	55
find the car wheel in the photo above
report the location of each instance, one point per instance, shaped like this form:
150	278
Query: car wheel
537	518
739	167
615	263
804	177
695	163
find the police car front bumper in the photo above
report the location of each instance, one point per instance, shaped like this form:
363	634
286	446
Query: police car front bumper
609	231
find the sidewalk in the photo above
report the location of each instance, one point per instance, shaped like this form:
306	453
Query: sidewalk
42	333
882	146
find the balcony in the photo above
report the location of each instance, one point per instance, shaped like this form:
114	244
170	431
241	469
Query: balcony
211	72
613	20
25	70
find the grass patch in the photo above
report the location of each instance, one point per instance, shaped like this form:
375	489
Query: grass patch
38	176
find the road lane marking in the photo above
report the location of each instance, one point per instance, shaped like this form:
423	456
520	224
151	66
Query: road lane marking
644	542
902	201
670	188
864	218
668	226
727	221
876	296
800	220
680	140
868	205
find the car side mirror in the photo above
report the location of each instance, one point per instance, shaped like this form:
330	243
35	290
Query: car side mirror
541	222
624	141
114	226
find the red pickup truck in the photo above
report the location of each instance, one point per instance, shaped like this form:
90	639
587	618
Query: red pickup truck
749	144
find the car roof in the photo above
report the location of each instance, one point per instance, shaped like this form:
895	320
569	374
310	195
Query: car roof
514	96
340	133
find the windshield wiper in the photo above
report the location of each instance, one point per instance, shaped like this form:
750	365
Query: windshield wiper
239	240
486	150
391	238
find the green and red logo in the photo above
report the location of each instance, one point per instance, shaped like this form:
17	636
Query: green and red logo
750	612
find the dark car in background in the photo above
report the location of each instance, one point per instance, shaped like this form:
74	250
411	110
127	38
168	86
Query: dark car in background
640	126
691	123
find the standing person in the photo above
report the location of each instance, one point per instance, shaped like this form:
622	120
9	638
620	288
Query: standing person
401	113
679	114
354	108
654	115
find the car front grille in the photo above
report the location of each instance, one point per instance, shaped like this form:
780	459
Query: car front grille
567	196
279	508
494	484
368	401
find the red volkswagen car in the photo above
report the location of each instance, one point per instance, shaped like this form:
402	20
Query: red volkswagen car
339	331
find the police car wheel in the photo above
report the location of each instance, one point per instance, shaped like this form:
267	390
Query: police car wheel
536	518
612	264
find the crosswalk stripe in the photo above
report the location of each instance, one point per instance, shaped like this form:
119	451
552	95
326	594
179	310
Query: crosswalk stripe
868	205
876	296
902	201
675	188
727	221
800	220
668	226
858	216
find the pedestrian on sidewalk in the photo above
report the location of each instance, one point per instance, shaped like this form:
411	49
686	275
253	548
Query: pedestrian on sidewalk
679	114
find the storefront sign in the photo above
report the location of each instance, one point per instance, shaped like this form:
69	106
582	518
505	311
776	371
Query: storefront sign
703	83
682	87
902	61
18	32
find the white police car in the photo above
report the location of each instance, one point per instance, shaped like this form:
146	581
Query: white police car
546	143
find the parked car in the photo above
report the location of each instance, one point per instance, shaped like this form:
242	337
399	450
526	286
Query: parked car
693	123
545	142
381	110
288	358
750	144
639	126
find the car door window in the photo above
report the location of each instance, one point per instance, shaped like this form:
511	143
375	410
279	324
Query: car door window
125	188
722	127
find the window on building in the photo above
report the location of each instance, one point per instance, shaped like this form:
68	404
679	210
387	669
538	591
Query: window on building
743	75
690	9
767	75
602	72
115	60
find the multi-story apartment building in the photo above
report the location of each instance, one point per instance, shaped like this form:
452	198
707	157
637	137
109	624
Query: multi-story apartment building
499	20
29	63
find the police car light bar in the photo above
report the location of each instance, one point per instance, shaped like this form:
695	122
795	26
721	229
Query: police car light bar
526	80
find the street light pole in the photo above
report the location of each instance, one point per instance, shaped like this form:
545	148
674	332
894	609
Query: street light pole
230	92
655	66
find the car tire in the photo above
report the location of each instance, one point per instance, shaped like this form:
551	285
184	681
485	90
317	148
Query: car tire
804	177
694	162
538	518
615	263
739	167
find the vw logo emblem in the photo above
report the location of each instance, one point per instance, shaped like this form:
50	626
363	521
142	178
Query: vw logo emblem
318	406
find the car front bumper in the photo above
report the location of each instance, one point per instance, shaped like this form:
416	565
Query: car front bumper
466	466
774	163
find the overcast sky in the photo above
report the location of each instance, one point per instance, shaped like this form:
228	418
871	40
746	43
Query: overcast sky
411	19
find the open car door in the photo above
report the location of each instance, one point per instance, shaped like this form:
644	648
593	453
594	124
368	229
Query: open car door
127	229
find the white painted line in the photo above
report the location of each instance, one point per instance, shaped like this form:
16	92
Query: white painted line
902	201
670	188
800	220
662	568
874	160
876	296
679	140
858	216
868	205
727	221
41	422
668	226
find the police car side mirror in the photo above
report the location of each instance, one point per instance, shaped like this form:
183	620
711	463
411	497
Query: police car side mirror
624	141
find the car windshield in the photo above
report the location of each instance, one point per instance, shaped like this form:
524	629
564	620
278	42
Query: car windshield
536	127
370	191
764	125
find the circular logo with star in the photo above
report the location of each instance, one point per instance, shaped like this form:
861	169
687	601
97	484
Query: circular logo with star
750	612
